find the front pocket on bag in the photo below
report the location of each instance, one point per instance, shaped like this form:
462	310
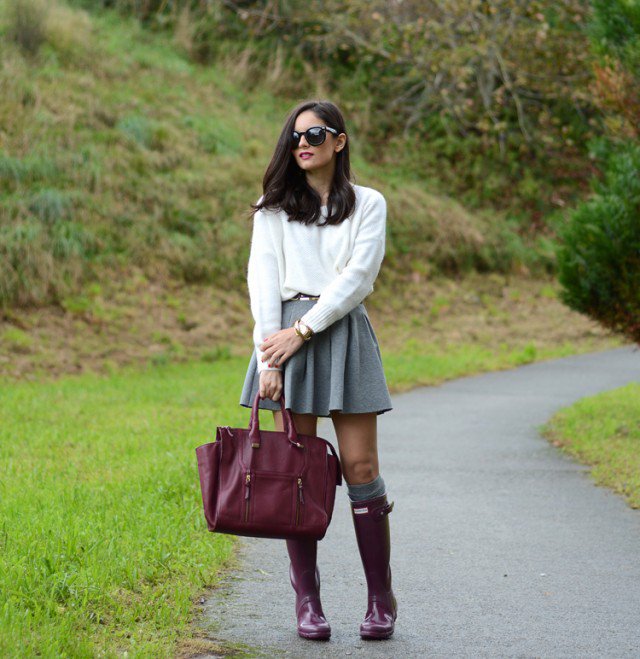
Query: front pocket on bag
270	497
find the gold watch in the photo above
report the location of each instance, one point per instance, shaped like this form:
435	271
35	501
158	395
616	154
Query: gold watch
305	333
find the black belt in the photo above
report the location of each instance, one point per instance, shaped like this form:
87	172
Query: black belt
304	296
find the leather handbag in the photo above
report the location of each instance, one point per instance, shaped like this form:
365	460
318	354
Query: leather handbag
267	483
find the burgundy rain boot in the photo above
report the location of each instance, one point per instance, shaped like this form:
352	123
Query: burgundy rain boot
305	579
371	522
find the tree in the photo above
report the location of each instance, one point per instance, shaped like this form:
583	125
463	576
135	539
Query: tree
599	260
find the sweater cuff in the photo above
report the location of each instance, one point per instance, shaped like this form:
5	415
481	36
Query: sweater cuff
264	365
319	317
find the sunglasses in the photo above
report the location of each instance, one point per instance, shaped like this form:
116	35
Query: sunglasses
315	135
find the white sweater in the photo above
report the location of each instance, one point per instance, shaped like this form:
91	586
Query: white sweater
337	262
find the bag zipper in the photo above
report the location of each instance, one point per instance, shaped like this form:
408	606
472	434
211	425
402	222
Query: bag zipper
299	501
247	491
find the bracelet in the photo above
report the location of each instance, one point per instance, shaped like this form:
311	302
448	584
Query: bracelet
305	336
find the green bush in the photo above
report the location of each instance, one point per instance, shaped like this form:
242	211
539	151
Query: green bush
599	259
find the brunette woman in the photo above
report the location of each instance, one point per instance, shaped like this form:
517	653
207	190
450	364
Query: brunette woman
317	245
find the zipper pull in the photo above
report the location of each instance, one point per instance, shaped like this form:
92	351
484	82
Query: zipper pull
300	495
247	483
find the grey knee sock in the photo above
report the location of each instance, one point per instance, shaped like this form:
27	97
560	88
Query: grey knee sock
364	491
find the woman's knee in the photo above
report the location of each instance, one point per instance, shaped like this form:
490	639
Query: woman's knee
360	470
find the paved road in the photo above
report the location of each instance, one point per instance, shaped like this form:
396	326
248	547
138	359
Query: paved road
502	546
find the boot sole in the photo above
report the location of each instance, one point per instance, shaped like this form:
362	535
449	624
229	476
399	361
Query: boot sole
371	635
376	636
315	636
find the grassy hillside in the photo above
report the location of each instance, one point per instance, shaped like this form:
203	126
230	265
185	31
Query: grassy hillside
126	171
117	152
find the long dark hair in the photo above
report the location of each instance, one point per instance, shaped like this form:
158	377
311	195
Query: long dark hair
285	185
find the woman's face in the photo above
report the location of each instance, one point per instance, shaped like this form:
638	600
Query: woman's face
321	155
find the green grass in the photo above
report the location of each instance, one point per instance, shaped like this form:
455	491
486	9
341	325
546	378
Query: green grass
103	544
604	431
104	547
428	364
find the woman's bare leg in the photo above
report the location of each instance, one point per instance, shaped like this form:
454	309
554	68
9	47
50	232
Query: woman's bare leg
358	444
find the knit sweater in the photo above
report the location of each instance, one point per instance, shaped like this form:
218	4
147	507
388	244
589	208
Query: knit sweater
337	262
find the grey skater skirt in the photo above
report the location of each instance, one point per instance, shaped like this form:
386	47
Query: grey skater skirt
339	368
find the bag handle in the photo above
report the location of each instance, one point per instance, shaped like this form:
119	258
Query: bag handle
254	424
292	435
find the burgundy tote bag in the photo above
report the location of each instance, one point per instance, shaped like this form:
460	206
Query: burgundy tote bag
266	483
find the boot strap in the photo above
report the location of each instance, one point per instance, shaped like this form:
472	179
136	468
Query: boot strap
380	512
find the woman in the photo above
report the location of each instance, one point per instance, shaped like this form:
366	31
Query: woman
317	245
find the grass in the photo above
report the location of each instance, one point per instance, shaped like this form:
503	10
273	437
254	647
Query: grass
604	431
104	545
419	364
103	541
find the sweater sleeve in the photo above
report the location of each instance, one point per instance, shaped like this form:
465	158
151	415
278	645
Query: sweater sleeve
355	281
264	286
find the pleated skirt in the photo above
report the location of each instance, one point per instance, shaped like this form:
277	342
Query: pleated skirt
339	368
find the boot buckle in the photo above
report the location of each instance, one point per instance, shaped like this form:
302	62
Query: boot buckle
380	512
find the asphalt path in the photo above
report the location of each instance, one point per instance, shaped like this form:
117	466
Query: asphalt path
501	545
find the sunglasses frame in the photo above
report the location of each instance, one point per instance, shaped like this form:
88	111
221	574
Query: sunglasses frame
295	136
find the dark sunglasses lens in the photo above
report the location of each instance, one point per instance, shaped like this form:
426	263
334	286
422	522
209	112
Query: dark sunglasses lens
315	136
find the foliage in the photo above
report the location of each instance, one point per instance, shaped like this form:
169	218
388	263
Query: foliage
503	83
26	24
145	159
599	262
489	68
32	24
615	36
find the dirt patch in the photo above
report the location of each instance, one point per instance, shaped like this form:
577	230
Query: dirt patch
130	319
488	310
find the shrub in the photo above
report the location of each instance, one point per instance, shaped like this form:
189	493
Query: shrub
599	260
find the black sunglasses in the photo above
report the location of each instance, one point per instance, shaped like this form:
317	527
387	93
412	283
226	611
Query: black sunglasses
315	135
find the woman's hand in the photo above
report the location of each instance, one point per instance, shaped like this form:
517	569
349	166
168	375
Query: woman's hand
271	385
279	346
